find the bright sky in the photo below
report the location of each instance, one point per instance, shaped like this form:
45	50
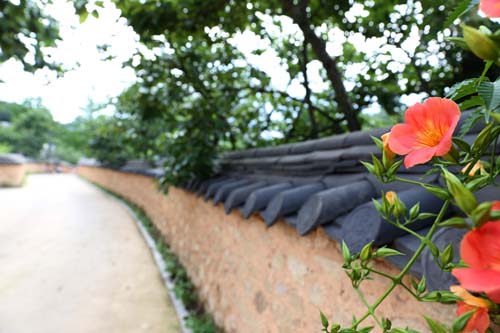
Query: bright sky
95	79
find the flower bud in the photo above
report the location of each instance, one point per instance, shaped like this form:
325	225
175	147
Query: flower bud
462	196
389	154
398	207
477	167
480	43
391	197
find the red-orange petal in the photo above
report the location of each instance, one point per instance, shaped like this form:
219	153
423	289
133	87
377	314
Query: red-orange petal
444	145
419	156
437	113
402	139
480	320
490	7
480	280
480	248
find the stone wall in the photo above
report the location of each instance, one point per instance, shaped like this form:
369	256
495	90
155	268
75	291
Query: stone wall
38	168
12	174
255	279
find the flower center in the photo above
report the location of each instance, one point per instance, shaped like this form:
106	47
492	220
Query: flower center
429	137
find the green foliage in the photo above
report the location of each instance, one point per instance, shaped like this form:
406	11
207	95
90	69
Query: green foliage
209	97
463	7
5	148
30	126
26	32
490	93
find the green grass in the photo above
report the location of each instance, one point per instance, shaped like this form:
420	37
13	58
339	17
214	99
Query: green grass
199	321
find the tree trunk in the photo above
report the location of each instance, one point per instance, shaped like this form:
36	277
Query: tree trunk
298	14
313	134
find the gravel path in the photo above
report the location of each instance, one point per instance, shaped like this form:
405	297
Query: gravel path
72	260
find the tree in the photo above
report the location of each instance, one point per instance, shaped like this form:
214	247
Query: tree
26	32
31	126
419	68
211	97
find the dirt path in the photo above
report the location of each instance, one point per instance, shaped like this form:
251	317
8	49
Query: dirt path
72	260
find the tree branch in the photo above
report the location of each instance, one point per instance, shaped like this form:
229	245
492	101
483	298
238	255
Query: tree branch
307	98
299	15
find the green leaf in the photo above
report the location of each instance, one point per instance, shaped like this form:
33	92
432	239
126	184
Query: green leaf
365	329
366	252
324	320
414	211
462	89
447	255
481	214
469	122
474	101
437	191
483	139
392	170
463	7
432	248
455	222
460	322
423	216
346	253
495	116
459	41
378	142
370	167
435	326
463	145
462	196
83	16
441	296
490	93
478	183
387	252
422	285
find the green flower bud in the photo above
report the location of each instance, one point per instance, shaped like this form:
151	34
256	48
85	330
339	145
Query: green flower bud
397	206
463	197
480	43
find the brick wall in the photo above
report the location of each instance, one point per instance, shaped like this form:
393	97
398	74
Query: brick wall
11	174
255	279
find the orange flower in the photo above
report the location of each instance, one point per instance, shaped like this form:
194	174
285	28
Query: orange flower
490	7
388	152
427	131
480	250
480	320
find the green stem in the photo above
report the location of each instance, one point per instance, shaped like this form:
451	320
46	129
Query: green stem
371	312
408	230
399	277
493	155
390	277
486	68
409	181
409	290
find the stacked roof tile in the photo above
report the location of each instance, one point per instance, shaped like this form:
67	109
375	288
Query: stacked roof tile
7	159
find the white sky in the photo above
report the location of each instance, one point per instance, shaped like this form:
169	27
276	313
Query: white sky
94	79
